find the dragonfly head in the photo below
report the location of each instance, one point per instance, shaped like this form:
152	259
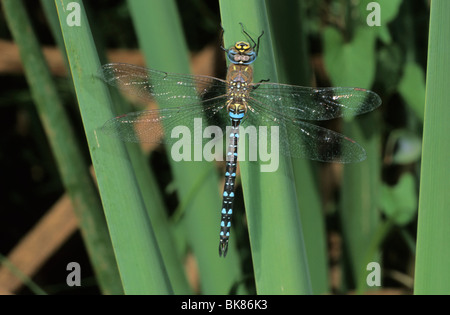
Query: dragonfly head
241	53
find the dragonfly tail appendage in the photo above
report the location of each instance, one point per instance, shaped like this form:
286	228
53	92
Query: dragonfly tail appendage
223	249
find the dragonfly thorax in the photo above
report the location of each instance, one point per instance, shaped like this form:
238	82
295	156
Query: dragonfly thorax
239	77
237	102
241	53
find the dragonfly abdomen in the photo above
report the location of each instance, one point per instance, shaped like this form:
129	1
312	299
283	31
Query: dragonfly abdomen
228	191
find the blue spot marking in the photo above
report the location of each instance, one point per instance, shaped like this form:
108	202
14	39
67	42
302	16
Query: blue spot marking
228	233
235	154
236	135
237	116
225	194
230	211
224	211
232	194
222	223
229	153
221	233
227	174
233	175
229	224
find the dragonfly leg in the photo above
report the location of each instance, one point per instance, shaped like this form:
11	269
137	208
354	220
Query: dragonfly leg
221	38
261	81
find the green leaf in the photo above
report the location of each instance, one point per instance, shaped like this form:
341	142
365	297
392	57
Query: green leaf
412	88
160	35
399	203
141	266
68	155
278	251
433	236
350	63
285	20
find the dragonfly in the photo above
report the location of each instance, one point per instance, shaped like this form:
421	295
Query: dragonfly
237	101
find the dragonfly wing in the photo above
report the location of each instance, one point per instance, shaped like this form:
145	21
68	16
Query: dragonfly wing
301	139
149	126
298	102
170	89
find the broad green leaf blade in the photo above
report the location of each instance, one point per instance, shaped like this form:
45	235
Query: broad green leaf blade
352	63
153	200
276	238
433	236
359	213
293	67
136	250
159	32
74	171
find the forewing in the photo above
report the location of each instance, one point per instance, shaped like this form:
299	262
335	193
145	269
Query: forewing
170	89
298	102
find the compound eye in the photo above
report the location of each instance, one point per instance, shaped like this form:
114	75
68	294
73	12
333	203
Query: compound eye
231	55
